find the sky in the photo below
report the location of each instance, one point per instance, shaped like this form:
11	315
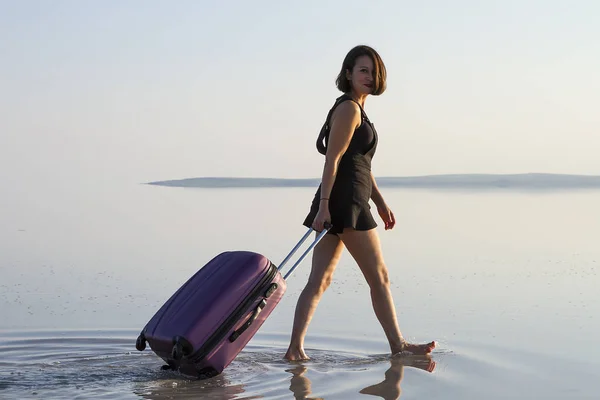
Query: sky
145	90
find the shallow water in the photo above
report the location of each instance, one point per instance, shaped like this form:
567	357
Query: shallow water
102	364
506	283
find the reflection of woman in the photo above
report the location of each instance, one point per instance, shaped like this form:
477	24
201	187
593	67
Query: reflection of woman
388	389
300	385
342	200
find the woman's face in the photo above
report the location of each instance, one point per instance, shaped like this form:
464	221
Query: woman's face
362	74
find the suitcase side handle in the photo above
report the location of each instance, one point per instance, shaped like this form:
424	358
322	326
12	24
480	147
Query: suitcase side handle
236	334
302	240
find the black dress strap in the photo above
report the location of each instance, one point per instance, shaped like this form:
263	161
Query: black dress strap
323	137
362	111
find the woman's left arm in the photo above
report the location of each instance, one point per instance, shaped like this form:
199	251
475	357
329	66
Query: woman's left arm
382	208
376	194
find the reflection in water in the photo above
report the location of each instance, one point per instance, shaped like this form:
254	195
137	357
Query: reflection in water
219	389
388	389
300	385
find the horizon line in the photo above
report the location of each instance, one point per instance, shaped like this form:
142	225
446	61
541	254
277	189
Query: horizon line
537	180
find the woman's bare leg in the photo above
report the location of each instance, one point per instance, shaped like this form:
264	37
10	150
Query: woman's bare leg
325	257
365	248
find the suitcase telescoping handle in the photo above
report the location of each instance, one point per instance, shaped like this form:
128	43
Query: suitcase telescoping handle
312	245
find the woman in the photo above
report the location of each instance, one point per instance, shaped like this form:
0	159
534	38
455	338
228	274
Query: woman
348	140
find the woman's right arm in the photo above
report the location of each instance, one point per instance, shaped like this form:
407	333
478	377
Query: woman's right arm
344	121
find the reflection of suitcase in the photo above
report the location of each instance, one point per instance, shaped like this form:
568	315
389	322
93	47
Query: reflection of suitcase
209	320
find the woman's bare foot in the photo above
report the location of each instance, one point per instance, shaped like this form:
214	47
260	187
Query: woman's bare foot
296	354
415	349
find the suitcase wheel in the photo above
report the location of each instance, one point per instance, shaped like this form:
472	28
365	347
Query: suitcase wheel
177	352
181	348
170	366
206	373
140	343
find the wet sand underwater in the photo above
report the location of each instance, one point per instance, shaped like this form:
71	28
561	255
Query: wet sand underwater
504	281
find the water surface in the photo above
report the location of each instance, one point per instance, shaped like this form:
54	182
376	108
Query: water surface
505	281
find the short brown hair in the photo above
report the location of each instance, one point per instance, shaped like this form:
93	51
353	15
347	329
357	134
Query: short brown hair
380	77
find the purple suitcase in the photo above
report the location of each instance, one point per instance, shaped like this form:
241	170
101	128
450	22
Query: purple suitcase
205	324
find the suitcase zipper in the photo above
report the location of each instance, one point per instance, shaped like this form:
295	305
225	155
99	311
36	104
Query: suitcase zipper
233	318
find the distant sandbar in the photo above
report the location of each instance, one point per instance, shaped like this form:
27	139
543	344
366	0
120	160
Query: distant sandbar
464	181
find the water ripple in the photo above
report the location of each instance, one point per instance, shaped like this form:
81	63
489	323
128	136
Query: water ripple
105	364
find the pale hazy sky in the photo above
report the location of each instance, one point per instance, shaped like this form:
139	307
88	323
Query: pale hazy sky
150	90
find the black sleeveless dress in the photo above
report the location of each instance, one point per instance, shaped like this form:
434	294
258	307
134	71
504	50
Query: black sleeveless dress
349	199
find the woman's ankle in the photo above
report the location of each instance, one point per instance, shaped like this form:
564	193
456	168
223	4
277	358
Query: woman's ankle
397	346
296	345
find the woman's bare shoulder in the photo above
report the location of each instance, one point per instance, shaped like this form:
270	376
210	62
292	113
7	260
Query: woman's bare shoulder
347	111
